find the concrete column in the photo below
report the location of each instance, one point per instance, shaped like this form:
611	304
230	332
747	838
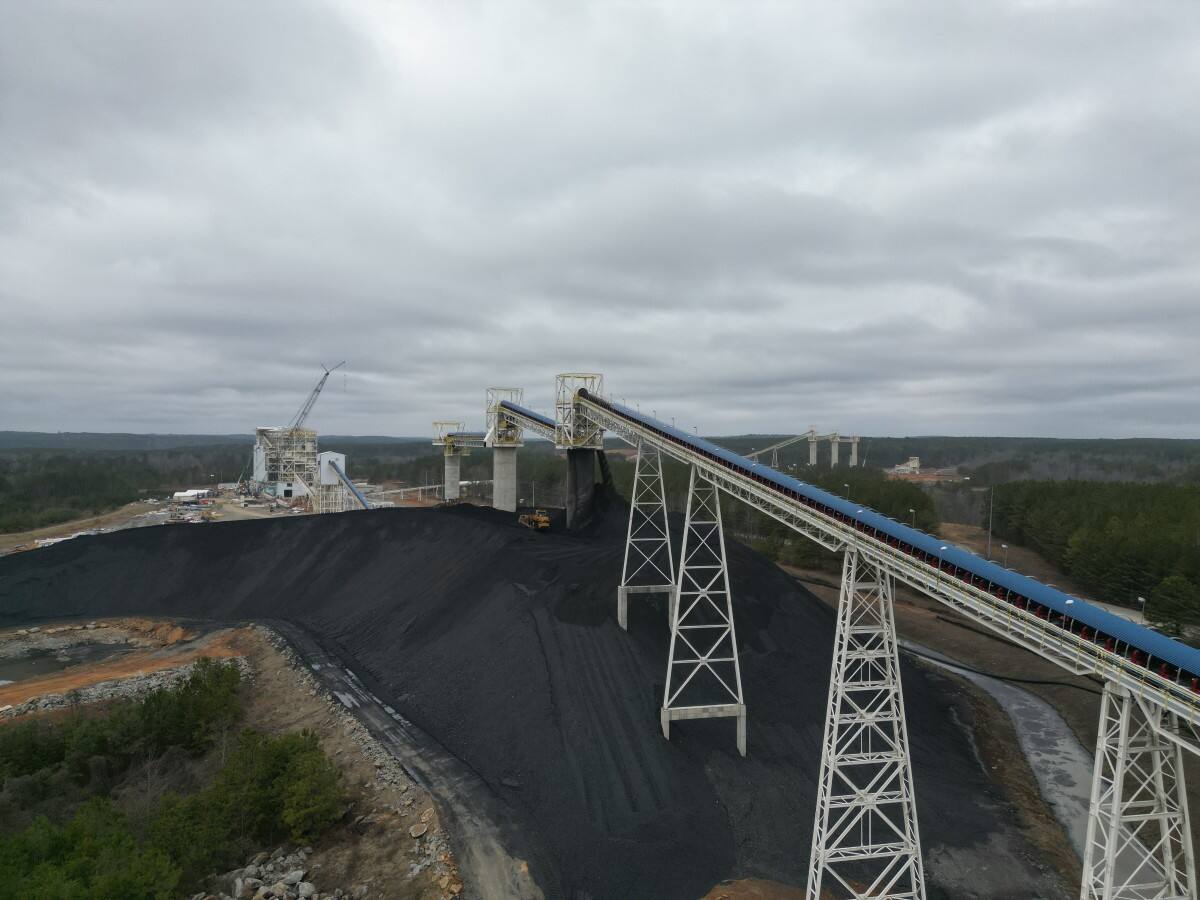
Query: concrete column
854	453
833	453
451	481
581	486
504	478
812	451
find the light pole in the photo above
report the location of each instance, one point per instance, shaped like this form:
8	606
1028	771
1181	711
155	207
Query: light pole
847	487
914	516
1004	547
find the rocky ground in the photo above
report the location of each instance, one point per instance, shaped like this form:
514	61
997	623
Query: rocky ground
391	844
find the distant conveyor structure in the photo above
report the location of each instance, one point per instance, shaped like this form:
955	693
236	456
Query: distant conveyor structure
350	485
866	841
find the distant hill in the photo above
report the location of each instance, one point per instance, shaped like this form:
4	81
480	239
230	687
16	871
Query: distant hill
88	440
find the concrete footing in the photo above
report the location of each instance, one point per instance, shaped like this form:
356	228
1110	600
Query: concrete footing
719	710
504	478
623	593
450	485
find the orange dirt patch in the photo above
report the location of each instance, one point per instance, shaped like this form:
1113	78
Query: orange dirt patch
754	889
138	662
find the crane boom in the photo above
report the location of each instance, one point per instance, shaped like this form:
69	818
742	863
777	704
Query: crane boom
312	398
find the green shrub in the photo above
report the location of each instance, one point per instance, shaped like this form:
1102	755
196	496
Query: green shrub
94	855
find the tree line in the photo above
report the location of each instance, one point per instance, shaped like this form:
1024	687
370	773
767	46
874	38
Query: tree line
42	487
1120	541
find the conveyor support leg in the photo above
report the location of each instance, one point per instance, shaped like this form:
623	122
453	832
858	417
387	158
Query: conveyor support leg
1139	839
865	837
649	566
704	678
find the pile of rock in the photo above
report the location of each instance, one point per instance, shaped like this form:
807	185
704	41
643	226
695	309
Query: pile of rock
134	687
276	876
433	849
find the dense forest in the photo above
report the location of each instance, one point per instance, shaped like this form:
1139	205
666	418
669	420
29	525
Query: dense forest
1120	541
42	487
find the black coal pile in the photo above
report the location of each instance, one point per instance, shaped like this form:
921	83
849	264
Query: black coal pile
503	644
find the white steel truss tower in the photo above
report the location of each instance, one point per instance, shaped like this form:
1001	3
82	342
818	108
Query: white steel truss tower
573	430
1139	844
865	838
500	430
704	679
649	565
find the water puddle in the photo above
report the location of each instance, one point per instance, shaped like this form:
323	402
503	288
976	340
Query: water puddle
1061	765
39	662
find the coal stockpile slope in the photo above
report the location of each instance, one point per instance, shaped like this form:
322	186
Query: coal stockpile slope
502	644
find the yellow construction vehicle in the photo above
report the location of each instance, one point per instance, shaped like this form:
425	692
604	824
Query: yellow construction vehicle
537	520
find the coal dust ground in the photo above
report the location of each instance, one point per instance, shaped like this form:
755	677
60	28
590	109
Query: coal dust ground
503	645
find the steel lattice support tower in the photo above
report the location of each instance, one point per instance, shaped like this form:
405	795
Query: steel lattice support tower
704	678
1139	843
649	565
865	837
572	430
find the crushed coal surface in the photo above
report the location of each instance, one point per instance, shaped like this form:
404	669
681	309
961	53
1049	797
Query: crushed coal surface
503	644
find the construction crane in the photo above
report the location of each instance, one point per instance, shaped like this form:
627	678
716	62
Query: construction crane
312	398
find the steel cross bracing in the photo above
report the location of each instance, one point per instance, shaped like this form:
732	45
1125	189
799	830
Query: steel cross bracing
1070	651
527	422
1139	844
649	567
502	431
865	837
704	678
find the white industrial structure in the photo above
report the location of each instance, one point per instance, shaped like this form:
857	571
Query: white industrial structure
835	441
285	461
332	495
288	466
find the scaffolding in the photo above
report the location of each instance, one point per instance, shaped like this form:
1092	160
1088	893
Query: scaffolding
284	456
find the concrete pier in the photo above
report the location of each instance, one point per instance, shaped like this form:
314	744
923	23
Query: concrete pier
504	478
450	484
581	486
812	451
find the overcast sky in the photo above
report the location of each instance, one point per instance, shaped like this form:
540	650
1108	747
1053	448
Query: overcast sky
883	218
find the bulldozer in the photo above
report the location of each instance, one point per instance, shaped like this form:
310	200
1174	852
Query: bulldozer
536	520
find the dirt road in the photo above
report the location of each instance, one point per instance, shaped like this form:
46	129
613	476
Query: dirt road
483	825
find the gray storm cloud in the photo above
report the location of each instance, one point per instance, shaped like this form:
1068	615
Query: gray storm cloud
935	218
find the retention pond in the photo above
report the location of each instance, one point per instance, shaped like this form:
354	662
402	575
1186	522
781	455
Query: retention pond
36	662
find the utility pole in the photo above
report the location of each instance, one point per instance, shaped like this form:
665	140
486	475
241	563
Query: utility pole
991	509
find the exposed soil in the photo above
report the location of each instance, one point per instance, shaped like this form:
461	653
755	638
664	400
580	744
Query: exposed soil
372	845
502	644
1022	559
160	645
62	529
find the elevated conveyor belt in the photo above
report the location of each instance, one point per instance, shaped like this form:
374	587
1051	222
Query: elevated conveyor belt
358	495
528	419
1077	635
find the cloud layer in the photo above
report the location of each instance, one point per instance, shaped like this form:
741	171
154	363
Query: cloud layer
879	218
